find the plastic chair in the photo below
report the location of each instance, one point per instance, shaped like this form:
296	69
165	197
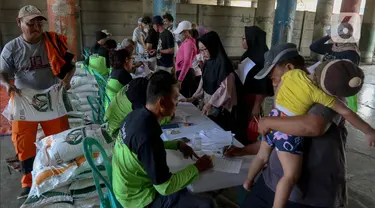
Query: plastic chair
97	112
107	200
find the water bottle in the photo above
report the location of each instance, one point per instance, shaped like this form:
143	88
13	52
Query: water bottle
197	143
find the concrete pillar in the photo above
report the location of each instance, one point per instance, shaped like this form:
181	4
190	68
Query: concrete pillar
323	16
284	21
367	41
61	19
254	4
148	7
264	17
165	6
227	2
220	2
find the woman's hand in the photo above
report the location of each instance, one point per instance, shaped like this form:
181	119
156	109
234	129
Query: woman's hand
248	184
206	109
233	151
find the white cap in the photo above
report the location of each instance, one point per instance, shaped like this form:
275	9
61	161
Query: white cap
184	25
30	12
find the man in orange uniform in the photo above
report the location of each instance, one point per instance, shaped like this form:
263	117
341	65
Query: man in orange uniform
26	59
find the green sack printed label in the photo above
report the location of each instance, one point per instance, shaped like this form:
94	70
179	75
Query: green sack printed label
75	137
42	102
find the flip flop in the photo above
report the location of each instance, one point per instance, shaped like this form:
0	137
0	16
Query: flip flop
12	159
15	166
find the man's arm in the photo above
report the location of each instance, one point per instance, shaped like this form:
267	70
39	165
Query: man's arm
4	80
153	157
352	117
315	123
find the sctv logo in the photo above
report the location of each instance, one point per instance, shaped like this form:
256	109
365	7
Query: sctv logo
346	28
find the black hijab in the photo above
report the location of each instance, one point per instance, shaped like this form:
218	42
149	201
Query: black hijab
218	67
257	47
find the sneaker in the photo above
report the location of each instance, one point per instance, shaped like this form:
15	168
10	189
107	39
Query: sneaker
25	192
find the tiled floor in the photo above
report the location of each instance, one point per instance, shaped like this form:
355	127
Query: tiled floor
361	160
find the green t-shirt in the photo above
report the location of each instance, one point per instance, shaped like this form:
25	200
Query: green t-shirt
140	169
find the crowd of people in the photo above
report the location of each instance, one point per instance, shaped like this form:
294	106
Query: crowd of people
300	154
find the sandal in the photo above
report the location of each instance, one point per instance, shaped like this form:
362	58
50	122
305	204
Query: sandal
16	166
12	159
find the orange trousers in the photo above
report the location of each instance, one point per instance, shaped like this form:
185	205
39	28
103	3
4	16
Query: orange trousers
24	138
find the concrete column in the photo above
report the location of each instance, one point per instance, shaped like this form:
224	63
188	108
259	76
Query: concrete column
254	4
220	2
367	41
165	6
264	16
227	2
148	7
323	16
61	19
284	21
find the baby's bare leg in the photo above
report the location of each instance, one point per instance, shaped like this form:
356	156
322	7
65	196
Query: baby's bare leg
292	165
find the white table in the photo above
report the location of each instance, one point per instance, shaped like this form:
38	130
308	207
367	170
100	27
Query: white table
210	180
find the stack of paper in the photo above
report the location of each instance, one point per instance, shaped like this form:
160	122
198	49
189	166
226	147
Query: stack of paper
215	139
244	68
227	165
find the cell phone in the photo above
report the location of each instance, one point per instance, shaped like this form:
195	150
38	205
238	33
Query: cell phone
184	140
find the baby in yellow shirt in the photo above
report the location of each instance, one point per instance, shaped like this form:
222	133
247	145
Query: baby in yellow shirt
296	92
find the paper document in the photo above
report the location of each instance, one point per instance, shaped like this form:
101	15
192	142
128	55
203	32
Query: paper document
244	68
227	165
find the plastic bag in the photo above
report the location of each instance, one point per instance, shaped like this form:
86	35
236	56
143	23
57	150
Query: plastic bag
353	103
85	88
54	197
36	105
67	145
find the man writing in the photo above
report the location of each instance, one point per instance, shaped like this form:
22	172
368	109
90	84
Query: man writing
165	49
141	177
26	58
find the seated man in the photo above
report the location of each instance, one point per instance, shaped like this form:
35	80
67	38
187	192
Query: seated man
131	97
141	177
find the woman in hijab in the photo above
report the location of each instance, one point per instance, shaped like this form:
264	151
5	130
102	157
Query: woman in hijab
220	87
254	42
332	51
336	50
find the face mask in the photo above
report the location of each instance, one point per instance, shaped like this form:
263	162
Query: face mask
181	37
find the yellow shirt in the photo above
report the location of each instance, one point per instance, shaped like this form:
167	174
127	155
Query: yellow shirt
297	93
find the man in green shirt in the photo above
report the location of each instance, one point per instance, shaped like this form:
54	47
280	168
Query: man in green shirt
131	97
141	177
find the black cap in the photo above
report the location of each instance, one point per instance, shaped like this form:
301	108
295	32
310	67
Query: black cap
158	20
277	54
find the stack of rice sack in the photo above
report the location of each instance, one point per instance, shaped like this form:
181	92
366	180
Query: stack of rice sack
82	85
61	175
